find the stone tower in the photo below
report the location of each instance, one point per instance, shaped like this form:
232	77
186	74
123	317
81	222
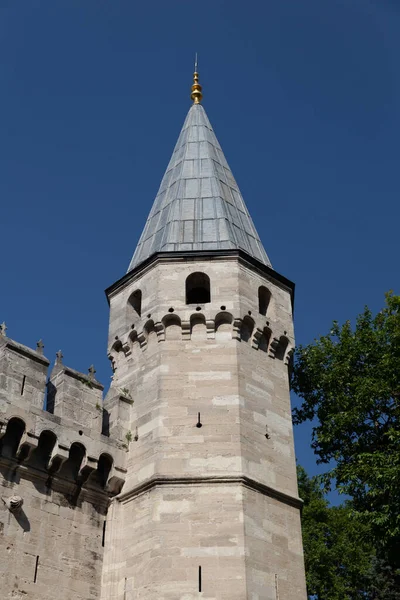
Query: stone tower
200	338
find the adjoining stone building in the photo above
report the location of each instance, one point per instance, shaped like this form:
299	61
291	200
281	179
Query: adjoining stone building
182	484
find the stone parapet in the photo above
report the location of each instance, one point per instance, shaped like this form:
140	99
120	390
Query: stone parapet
63	445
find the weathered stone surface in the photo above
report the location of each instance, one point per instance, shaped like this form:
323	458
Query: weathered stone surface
223	495
199	420
51	543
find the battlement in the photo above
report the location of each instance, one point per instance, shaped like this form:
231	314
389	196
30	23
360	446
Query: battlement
260	334
64	444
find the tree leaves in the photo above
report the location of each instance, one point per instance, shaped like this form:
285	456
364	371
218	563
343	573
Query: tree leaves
349	383
340	557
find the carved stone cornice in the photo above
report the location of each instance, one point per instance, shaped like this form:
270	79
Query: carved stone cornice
244	480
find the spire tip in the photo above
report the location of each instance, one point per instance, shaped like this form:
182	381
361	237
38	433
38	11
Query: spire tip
196	94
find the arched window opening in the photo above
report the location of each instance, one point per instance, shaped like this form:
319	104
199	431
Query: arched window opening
103	469
70	469
246	330
281	348
11	440
263	343
105	425
135	301
264	297
40	457
198	289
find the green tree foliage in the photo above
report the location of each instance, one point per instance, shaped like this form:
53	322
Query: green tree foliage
349	383
338	555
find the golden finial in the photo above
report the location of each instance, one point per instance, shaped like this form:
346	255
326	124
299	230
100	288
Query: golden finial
196	94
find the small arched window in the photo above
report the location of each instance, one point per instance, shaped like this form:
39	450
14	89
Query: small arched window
280	351
247	328
263	342
71	467
198	289
10	441
41	455
103	469
135	301
264	297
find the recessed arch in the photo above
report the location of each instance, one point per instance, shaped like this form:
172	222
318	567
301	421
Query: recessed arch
198	328
135	303
198	290
264	340
150	334
103	470
41	455
173	327
134	343
247	328
264	298
70	469
223	325
281	348
12	437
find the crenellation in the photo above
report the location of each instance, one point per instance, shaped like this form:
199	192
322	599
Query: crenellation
64	471
75	397
41	440
118	407
23	374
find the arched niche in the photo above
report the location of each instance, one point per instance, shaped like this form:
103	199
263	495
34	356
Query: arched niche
281	348
103	470
70	469
223	326
134	305
247	328
198	328
173	327
134	343
264	340
264	298
198	290
41	455
11	439
150	334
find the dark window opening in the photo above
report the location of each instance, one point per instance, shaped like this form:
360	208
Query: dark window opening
263	343
246	330
10	441
264	297
103	469
41	455
50	400
70	469
23	385
281	348
105	426
135	300
198	289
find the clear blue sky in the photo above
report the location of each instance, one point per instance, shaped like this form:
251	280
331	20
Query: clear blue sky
304	97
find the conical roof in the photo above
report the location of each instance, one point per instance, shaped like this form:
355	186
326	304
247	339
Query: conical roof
199	206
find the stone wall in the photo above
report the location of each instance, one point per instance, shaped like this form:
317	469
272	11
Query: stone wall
209	428
57	475
196	422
